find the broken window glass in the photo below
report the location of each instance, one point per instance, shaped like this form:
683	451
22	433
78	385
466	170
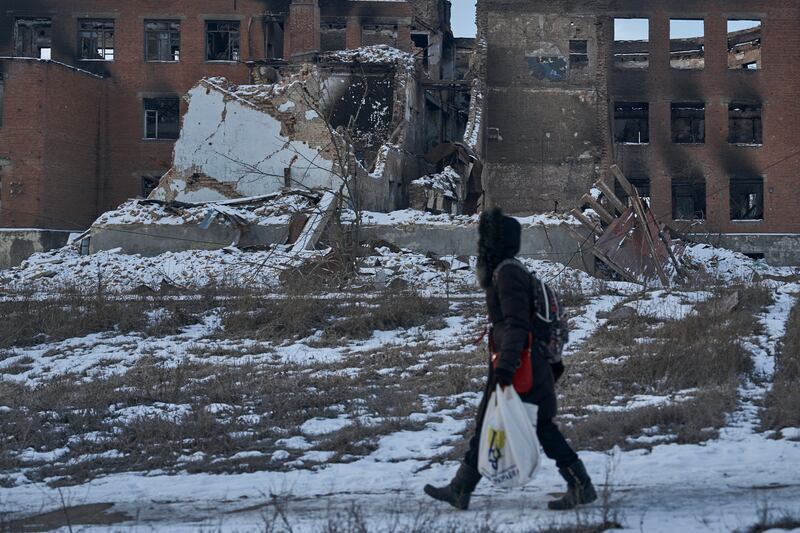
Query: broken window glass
273	37
32	37
148	185
744	44
578	54
161	118
632	43
632	123
744	124
687	43
162	40
222	41
688	123
747	198
96	39
689	199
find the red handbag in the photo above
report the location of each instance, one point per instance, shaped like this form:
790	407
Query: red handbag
523	377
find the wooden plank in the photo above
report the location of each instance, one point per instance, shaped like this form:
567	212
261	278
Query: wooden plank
591	226
644	227
601	256
610	196
629	189
605	215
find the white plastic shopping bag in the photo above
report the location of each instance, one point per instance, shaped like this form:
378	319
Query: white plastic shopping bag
509	450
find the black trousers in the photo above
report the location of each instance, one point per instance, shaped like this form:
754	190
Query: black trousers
553	443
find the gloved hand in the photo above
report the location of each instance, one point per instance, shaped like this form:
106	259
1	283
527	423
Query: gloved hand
503	377
558	369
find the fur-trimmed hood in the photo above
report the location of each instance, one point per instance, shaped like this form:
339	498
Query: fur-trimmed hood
498	239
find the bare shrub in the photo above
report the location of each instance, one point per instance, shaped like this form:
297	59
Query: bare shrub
783	401
702	355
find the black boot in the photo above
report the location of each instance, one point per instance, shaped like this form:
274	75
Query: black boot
458	492
579	488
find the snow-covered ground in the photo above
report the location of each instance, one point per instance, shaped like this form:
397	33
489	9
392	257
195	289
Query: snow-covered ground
723	484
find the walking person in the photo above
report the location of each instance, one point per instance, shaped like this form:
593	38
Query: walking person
509	298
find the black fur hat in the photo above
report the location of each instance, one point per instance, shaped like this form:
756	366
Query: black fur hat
498	239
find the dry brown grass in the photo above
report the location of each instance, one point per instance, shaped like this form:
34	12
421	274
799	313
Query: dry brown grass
703	354
782	406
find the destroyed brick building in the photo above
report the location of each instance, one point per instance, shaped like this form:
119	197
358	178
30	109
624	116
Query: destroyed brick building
91	92
694	100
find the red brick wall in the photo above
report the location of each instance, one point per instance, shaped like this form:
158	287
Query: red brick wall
775	86
122	156
22	143
51	136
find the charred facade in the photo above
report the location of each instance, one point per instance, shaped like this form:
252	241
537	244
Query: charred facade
695	101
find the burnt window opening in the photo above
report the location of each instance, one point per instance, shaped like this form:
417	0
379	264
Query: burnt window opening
333	35
744	124
642	184
421	40
688	123
374	34
222	41
747	198
161	118
148	185
33	37
689	198
632	123
687	43
578	54
162	40
632	43
96	39
744	44
273	37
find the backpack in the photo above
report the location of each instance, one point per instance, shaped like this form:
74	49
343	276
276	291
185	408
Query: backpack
549	322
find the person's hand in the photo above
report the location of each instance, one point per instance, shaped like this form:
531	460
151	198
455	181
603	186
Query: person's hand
503	378
558	369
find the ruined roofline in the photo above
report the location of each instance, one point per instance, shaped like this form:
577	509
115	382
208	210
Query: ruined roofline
59	63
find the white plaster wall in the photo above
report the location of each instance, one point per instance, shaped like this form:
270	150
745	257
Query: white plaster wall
224	138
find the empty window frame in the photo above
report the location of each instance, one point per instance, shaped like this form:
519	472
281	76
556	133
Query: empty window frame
632	123
631	43
688	123
744	124
688	199
375	34
273	37
161	117
162	40
578	54
2	96
744	44
148	185
96	39
33	37
687	43
421	40
222	40
747	198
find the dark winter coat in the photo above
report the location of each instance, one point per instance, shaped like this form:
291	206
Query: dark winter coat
509	299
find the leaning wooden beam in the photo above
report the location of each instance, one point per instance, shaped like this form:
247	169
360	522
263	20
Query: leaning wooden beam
644	227
583	219
316	224
599	209
610	196
601	256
